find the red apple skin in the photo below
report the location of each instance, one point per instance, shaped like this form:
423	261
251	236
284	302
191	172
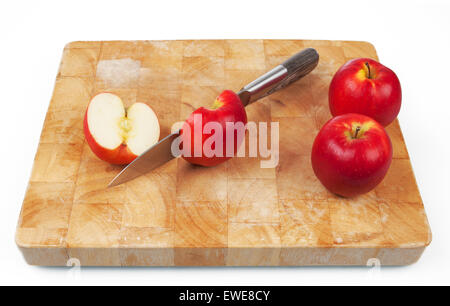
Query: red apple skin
229	108
376	94
119	156
349	166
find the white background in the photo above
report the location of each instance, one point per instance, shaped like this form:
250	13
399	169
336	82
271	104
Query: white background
411	37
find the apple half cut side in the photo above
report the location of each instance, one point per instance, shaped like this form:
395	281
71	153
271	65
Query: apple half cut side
118	135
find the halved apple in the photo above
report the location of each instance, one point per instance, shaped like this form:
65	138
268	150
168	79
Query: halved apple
118	135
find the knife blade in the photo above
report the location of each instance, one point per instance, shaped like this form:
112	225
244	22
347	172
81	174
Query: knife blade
157	155
279	77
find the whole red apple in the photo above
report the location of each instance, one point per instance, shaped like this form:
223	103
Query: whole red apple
204	134
351	154
365	86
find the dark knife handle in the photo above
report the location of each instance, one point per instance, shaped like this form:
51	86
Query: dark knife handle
281	76
300	65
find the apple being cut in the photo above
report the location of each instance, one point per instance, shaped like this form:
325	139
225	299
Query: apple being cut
365	86
351	154
118	135
211	136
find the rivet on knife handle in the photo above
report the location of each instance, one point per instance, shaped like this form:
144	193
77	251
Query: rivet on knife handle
281	76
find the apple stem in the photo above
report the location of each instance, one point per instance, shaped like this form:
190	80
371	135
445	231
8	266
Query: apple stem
358	128
368	69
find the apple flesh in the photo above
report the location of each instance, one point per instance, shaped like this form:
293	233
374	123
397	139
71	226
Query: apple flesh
351	154
365	86
227	108
117	135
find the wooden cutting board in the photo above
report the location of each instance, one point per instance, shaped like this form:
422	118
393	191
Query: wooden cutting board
234	214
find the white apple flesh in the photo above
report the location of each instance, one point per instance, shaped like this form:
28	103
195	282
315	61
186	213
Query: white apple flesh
117	135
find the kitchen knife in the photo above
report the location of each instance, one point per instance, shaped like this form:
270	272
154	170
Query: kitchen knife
279	77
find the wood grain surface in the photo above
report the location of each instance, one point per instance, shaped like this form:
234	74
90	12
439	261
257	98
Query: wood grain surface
235	214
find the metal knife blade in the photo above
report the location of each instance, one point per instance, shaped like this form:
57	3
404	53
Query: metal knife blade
155	156
279	77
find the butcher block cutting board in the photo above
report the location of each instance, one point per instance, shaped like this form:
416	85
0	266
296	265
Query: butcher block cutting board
235	214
